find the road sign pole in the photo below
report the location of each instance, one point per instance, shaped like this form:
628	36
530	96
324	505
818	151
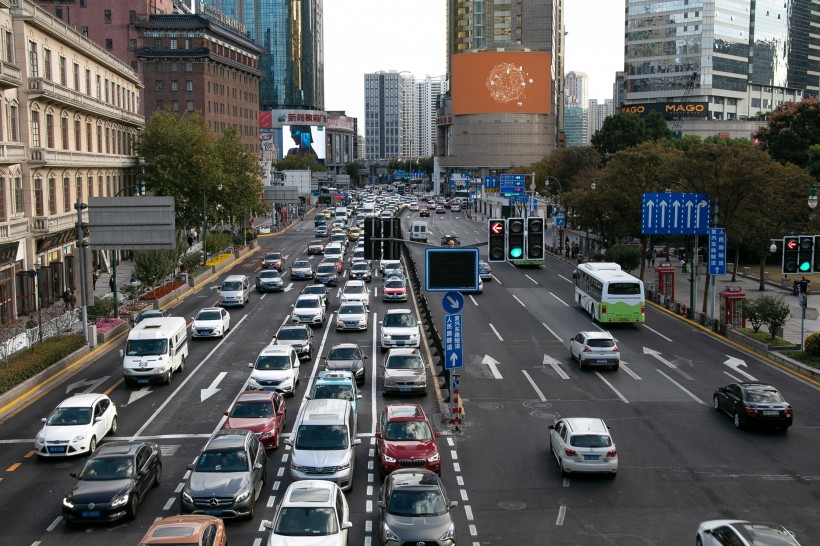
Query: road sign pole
693	296
455	401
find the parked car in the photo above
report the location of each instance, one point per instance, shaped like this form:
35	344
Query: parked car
752	403
405	438
76	425
582	444
113	482
261	412
193	529
347	356
211	322
415	509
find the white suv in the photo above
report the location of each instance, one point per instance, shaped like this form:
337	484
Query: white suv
595	349
399	329
583	444
308	309
276	369
355	291
309	510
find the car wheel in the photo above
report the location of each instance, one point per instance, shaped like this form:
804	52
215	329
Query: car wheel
737	421
131	511
182	365
581	364
113	429
168	379
92	445
698	541
715	403
612	475
383	349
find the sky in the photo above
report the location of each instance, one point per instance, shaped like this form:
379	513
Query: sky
365	36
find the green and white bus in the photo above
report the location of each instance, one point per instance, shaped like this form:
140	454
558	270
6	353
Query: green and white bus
608	293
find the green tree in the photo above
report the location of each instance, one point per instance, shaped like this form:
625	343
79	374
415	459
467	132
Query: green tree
656	126
813	164
300	163
619	132
793	128
775	312
241	178
628	257
152	266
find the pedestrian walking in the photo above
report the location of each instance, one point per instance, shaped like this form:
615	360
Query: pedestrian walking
72	300
66	298
803	285
94	277
652	258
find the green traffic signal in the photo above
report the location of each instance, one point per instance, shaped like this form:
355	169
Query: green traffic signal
805	267
516	252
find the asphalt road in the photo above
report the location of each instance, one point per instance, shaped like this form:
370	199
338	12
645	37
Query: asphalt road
680	461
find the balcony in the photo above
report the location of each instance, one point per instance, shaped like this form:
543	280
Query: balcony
85	160
14	229
43	225
41	88
12	152
10	75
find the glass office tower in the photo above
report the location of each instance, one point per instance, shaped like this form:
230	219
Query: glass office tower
290	32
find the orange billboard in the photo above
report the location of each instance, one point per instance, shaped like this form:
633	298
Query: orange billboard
492	82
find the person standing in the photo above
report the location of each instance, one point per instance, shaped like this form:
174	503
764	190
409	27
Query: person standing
95	277
72	300
66	298
652	258
803	285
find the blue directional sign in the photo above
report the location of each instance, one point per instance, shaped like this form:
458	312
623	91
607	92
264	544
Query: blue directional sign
452	342
519	198
560	221
452	302
675	214
491	182
512	183
717	251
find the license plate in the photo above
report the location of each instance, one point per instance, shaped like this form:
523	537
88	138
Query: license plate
771	412
404	389
57	449
91	513
269	389
590	457
213	512
400	342
142	381
601	361
623	319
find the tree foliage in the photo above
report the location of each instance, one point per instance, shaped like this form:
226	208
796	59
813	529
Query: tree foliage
793	128
301	162
152	266
628	257
241	178
619	132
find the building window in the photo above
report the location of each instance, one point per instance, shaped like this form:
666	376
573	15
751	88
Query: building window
78	135
18	195
109	44
107	140
99	87
52	196
47	64
84	31
64	131
172	43
158	85
174	85
100	186
66	194
88	82
49	130
187	43
76	77
12	128
89	137
189	105
3	216
83	3
63	75
99	139
175	106
160	105
173	67
135	66
58	12
79	187
132	44
189	67
107	15
132	16
189	85
33	66
107	94
39	209
90	186
157	66
10	46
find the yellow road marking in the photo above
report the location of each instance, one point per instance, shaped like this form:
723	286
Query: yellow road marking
14	467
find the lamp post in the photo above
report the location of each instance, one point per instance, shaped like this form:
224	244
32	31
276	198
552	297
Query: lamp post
205	224
812	201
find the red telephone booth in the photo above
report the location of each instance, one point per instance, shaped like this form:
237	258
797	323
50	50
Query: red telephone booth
665	281
731	307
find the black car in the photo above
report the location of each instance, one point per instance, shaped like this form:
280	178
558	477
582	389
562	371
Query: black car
227	477
113	482
360	271
753	404
326	274
424	212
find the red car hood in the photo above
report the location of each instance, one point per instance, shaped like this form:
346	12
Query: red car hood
256	424
409	450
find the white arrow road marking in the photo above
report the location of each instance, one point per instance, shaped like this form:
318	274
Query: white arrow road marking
684	389
89	384
289	287
204	394
493	365
549	361
136	395
735	364
657	355
625	367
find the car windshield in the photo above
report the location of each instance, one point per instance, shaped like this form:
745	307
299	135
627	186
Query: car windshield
326	269
232	286
764	397
273	362
407	431
208	315
340	392
66	417
415	502
321	437
306	522
405	362
590	440
344	353
273	257
360	267
358	255
315	290
351	310
307	303
355	289
292	333
108	468
217	460
316	243
301	263
252	410
394	283
399	320
146	347
389	268
269	274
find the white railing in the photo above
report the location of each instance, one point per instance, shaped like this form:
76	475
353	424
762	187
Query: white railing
31	336
14	229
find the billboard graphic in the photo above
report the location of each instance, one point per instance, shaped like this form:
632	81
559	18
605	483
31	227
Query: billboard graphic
303	140
501	82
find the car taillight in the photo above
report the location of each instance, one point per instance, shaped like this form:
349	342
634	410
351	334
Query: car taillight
612	453
570	452
787	411
615	349
751	411
642	309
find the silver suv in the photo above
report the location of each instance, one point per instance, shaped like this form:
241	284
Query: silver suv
595	349
415	509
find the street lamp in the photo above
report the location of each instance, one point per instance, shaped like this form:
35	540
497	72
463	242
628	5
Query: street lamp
813	197
205	224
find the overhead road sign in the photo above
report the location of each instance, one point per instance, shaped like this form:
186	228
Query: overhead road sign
512	183
675	214
560	220
131	223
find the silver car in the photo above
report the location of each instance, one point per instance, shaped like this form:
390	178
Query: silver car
404	372
415	509
352	315
595	349
298	336
349	357
301	269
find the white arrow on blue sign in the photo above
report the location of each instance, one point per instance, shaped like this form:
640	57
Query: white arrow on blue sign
452	302
717	251
675	214
452	342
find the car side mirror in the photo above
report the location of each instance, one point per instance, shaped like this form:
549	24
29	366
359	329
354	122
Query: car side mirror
453	504
43	419
308	397
227	414
381	504
74	475
324	358
357	441
97	419
267	525
280	412
347	525
358	397
288	442
142	472
378	435
189	466
381	323
122	353
257	466
437	434
418	323
551	427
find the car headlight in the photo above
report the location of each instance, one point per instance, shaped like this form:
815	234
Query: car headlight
67	502
387	458
389	382
78	438
435	458
344	466
243	496
39	438
450	534
389	534
187	497
119	501
267	434
339	324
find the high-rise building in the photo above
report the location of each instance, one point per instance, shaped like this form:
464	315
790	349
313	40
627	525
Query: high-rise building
291	35
618	95
428	91
505	73
597	113
576	102
726	59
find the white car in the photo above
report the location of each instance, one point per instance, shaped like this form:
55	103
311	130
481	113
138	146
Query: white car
595	348
311	512
743	533
383	263
308	309
583	444
76	425
334	250
276	369
211	322
399	328
355	291
352	315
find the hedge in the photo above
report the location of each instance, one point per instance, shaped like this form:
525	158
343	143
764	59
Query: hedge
27	363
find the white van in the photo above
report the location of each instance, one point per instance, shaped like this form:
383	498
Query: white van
324	442
235	290
341	213
156	349
418	231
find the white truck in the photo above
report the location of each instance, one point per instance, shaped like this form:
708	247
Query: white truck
418	231
156	348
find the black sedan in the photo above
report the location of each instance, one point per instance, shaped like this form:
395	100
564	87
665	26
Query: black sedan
360	271
113	482
753	404
326	274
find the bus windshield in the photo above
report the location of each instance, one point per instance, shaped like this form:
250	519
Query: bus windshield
624	289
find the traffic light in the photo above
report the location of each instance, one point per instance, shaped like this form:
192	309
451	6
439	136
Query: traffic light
372	230
816	263
805	258
535	238
391	229
497	240
515	238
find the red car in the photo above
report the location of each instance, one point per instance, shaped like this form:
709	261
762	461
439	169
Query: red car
339	263
274	260
394	290
261	412
406	439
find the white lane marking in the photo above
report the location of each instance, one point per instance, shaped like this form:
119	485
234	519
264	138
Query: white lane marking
368	526
496	279
258	541
566	481
625	367
496	332
519	301
280	472
369	490
684	389
368	506
469	511
179	487
534	386
549	361
559	299
169	504
450	441
657	356
473	532
656	332
54	523
457	467
530	278
463	493
454	454
567	279
460	481
190	376
271	501
736	363
367	541
473	299
734	378
611	386
544	324
562	512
